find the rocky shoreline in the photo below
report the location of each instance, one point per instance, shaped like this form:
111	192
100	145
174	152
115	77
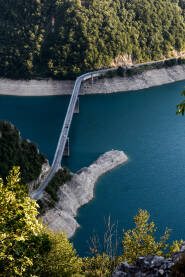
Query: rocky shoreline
146	79
79	191
152	266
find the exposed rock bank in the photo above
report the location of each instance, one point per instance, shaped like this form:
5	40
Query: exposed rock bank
149	266
79	191
149	78
36	183
146	79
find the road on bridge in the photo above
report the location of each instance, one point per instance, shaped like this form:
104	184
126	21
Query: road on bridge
37	194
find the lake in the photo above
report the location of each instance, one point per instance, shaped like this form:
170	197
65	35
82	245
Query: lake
144	125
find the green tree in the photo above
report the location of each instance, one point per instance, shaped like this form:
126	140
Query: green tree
61	260
140	240
88	35
21	36
17	151
22	240
181	107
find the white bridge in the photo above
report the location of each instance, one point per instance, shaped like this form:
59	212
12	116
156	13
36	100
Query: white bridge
37	194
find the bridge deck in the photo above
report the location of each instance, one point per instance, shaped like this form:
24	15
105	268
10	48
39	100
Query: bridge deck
37	194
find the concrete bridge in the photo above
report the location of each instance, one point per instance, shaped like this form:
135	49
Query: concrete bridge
63	139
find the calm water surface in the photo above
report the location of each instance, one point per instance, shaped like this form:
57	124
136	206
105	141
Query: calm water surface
141	123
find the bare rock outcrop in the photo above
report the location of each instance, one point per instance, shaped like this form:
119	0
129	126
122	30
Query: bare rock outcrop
149	266
79	191
36	183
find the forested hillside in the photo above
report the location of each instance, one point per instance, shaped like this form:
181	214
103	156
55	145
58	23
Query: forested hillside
17	151
85	37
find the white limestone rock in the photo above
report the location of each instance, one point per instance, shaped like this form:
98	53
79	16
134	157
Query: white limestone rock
44	87
79	191
148	78
36	183
57	219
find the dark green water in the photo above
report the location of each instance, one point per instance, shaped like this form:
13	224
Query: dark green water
144	125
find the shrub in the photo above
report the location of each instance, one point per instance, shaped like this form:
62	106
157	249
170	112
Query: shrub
170	62
22	241
110	74
133	71
158	65
62	260
52	192
140	240
61	176
99	265
130	72
120	71
183	60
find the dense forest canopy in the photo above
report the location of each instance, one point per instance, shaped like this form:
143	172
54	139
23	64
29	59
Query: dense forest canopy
86	36
17	151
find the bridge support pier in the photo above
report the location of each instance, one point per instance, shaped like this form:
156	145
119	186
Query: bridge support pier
77	106
66	149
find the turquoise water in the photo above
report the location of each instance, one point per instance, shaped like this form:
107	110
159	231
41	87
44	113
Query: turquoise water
141	123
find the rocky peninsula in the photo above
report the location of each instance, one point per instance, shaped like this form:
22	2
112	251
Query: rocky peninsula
79	191
46	87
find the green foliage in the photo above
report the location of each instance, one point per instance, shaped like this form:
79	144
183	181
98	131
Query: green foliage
110	74
158	65
16	151
28	249
120	71
132	71
61	176
141	241
99	265
22	242
175	247
181	106
61	260
85	37
170	62
21	36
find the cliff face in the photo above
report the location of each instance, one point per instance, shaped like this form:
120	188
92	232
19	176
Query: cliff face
79	191
150	266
